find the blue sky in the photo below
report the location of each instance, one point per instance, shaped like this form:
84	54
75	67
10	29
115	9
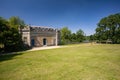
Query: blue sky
75	14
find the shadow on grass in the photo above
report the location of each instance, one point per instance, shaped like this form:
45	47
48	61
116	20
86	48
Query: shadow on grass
9	56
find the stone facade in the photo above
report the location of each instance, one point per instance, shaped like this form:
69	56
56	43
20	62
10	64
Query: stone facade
40	36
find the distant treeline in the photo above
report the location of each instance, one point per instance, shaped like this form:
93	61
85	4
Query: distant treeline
67	37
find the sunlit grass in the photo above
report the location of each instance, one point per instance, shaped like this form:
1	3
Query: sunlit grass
75	62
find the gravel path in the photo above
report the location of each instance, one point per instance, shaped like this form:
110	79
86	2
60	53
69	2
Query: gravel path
52	47
45	47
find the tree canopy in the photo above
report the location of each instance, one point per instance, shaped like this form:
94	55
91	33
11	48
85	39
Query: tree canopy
65	35
10	39
109	28
68	37
80	35
16	22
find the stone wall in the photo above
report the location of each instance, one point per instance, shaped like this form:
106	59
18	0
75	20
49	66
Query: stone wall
26	36
39	41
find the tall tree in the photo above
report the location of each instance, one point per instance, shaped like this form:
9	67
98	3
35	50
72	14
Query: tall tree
109	28
12	40
4	26
80	35
65	35
73	37
17	23
9	35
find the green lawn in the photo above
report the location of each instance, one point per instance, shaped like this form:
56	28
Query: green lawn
76	62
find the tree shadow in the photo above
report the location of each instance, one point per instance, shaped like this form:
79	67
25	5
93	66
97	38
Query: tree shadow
9	56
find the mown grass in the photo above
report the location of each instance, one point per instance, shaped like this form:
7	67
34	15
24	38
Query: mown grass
75	62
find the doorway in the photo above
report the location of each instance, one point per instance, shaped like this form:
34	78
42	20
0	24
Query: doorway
44	42
33	42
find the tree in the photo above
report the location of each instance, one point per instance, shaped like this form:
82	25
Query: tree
9	36
68	37
65	35
109	28
12	40
3	27
73	37
80	35
3	24
17	23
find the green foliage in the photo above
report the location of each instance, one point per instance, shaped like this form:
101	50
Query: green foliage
65	35
3	27
73	37
16	22
68	37
12	40
109	28
9	34
80	35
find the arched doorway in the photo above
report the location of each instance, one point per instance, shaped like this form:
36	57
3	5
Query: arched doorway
44	41
32	42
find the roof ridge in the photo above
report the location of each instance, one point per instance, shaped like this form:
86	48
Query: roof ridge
43	27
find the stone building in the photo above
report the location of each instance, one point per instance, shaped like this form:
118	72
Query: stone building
40	36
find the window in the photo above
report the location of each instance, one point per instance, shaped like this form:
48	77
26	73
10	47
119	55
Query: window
25	40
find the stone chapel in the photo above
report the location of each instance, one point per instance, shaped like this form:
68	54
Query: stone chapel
36	36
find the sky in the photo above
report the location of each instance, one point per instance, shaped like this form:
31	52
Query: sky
74	14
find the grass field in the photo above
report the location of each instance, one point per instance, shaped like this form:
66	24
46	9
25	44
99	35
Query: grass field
75	62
